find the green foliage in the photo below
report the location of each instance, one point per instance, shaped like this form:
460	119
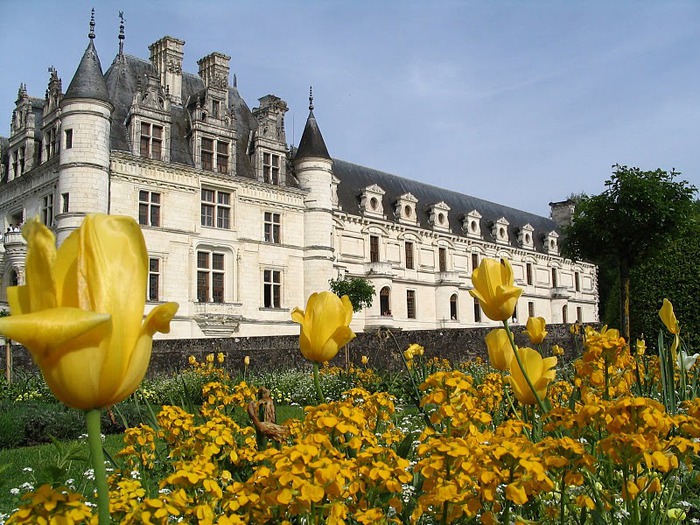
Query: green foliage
632	220
360	291
672	274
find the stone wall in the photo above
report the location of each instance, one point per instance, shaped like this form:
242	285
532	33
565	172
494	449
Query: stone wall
282	352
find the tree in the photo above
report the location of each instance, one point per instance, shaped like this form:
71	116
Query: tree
360	291
627	223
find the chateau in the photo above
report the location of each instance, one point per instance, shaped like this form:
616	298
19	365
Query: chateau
242	227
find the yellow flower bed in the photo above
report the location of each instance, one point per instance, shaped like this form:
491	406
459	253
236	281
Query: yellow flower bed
600	454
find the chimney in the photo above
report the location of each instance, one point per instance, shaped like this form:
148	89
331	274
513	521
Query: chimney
562	212
166	57
214	70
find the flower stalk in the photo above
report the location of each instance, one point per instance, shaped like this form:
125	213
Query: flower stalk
92	418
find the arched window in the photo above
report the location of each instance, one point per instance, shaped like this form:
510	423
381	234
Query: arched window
453	307
384	301
14	278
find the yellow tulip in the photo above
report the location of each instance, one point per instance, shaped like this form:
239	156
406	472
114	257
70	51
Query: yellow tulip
493	287
540	371
500	349
246	360
365	360
669	317
324	326
80	313
535	329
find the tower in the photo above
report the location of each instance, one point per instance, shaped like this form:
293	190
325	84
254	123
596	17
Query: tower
83	183
313	167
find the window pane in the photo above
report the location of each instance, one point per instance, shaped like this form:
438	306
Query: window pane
143	196
143	214
155	215
202	259
222	147
155	146
208	195
145	129
224	198
217	287
222	218
207	215
208	145
217	262
157	132
202	287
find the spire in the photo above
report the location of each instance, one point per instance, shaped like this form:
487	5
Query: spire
88	81
121	33
91	34
312	144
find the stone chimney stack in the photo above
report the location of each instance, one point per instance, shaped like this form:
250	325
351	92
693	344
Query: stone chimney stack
214	70
166	57
562	212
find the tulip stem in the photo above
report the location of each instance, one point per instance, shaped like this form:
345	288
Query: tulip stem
522	368
92	418
317	384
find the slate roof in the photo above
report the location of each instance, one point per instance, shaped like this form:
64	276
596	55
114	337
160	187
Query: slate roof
354	179
312	143
122	80
88	81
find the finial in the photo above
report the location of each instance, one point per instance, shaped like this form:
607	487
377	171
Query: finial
311	98
91	34
235	81
121	33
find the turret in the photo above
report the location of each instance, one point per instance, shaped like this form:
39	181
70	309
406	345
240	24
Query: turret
313	168
83	184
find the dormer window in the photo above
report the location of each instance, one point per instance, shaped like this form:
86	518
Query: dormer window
216	109
214	155
437	216
525	237
151	141
271	168
371	201
207	154
471	224
499	230
405	209
552	243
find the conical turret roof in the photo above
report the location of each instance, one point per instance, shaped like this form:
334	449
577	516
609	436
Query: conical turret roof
88	81
312	144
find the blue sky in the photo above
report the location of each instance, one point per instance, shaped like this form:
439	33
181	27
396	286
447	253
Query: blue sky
517	102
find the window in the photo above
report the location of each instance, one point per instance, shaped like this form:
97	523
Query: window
207	154
153	279
477	311
215	108
65	197
216	204
579	314
151	141
555	281
384	301
453	307
18	161
272	288
272	227
475	261
411	304
442	259
47	210
51	143
271	168
373	248
409	255
577	281
528	273
69	138
564	314
222	157
149	208
210	277
531	309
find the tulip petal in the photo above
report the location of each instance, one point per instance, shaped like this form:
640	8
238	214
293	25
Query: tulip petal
66	272
342	336
298	316
158	320
50	334
41	254
347	305
18	299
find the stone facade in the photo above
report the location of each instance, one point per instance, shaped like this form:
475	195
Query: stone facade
240	226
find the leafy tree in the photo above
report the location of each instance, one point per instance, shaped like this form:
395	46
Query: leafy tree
360	291
673	274
627	223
